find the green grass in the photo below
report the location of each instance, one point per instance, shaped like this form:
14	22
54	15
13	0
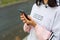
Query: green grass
8	2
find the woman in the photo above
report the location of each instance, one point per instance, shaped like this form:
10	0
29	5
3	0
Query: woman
44	21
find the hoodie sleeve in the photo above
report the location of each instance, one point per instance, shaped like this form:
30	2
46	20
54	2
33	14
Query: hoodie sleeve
42	33
56	27
27	28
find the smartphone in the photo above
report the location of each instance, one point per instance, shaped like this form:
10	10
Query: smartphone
22	12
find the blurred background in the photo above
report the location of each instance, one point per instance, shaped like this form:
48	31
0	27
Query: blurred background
11	27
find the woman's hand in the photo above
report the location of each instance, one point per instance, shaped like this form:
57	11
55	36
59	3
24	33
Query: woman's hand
29	22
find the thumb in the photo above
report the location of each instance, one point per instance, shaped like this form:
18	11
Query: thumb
29	17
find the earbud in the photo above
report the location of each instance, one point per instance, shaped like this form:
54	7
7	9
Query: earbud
45	6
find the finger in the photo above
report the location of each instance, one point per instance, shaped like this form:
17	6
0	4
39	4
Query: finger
22	19
26	20
21	16
29	17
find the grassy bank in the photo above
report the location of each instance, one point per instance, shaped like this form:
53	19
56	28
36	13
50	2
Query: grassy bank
4	3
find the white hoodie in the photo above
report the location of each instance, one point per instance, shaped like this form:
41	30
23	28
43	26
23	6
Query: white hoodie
47	17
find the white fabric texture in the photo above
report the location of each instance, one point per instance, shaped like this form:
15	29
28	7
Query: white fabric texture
48	17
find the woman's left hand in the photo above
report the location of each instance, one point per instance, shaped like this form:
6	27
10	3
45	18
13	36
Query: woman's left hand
29	22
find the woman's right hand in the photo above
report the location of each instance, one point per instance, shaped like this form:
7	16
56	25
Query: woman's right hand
29	22
26	27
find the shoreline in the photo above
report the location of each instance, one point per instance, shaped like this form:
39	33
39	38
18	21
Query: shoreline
1	6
